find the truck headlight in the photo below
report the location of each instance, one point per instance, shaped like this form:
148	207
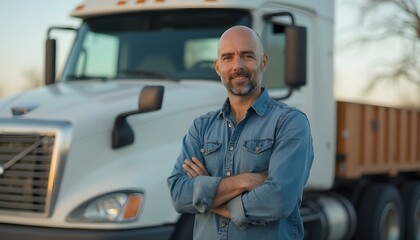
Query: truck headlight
111	207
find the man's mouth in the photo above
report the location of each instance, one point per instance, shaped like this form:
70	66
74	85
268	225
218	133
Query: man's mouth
239	76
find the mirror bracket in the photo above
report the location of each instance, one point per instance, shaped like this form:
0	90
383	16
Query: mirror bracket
150	100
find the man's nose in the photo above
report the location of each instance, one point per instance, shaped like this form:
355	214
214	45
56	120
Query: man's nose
238	63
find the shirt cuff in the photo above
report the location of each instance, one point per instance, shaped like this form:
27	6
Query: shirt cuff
204	191
237	213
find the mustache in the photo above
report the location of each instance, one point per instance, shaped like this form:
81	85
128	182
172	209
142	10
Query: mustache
239	74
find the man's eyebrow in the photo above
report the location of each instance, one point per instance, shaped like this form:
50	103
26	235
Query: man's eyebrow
226	54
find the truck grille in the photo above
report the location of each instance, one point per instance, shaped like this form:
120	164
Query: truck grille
26	159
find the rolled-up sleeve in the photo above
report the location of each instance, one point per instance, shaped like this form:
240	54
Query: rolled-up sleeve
288	172
237	213
191	195
204	191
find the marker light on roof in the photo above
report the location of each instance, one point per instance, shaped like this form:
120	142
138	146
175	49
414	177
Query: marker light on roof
121	2
79	7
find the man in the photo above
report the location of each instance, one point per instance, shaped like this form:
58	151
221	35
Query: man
242	168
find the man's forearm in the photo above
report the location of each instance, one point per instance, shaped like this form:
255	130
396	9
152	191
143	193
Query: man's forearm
229	188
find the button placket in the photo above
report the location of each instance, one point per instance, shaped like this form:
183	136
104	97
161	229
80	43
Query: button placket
224	226
234	134
229	153
233	141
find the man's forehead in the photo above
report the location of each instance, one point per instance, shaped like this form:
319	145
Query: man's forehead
238	44
236	48
241	52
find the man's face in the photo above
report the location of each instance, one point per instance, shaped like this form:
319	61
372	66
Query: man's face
240	62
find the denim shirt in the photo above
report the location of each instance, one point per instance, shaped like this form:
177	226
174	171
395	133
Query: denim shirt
273	138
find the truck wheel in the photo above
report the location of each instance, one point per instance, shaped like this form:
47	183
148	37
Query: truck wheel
184	227
410	192
380	214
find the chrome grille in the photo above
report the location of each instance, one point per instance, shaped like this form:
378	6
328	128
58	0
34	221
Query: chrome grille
24	182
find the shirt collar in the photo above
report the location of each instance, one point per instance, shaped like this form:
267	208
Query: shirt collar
260	105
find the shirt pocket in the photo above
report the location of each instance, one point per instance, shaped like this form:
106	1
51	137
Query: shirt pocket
211	152
255	155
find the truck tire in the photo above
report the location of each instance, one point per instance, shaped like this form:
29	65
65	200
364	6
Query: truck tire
380	214
410	193
184	227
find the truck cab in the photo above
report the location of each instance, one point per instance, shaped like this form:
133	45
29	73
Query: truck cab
87	155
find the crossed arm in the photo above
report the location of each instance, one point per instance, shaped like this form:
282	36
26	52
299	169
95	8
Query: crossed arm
228	188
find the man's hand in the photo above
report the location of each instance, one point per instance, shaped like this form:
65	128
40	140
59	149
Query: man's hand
194	167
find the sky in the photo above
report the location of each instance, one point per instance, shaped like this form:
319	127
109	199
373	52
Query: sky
24	25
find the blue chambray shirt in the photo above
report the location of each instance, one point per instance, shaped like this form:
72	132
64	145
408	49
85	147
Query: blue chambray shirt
273	138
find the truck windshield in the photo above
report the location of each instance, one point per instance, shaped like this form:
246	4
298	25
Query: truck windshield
154	45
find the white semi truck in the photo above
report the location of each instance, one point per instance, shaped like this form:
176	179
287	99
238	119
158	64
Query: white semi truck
87	155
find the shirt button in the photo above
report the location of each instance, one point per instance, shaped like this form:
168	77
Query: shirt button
231	148
230	125
257	148
223	223
202	151
228	173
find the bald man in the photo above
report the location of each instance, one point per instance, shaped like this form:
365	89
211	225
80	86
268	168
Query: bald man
242	168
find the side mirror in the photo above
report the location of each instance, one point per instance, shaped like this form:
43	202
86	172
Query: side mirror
150	99
295	52
295	56
50	54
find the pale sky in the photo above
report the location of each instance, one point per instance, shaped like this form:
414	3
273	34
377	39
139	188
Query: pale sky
24	25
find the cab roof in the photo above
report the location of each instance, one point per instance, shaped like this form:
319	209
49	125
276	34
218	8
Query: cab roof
90	8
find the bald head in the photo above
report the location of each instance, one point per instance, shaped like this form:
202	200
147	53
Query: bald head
241	33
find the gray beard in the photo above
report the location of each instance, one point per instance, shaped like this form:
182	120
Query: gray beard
243	91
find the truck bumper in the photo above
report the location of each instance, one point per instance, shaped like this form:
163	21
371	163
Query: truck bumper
18	232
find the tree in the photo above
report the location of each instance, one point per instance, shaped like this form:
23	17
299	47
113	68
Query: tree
33	79
381	20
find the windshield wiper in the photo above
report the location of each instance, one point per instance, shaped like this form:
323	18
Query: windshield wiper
147	73
87	77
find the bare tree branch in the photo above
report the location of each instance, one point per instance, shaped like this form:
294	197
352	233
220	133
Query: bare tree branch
380	20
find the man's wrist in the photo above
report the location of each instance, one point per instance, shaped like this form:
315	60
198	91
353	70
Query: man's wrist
243	183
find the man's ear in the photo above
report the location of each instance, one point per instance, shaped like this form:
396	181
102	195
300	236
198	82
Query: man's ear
264	62
216	66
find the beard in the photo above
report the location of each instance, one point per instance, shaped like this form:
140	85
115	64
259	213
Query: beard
243	89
